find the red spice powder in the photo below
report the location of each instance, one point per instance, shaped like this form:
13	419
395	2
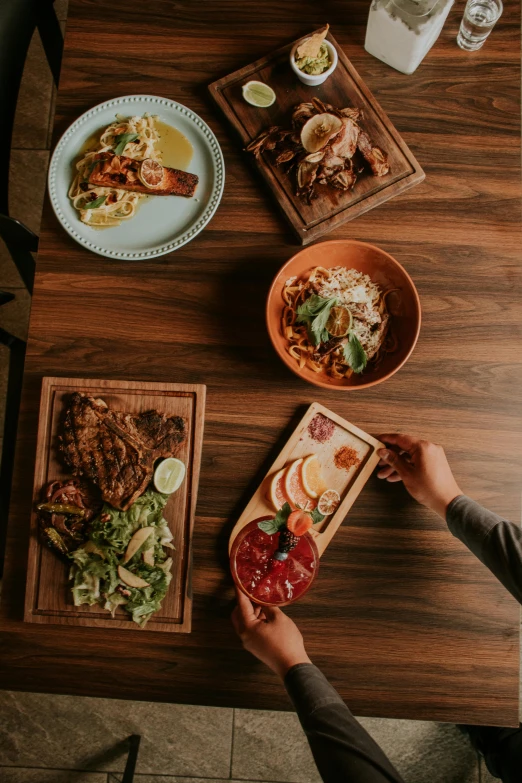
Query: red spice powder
345	458
321	428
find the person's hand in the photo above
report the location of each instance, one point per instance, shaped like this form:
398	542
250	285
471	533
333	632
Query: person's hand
422	467
269	634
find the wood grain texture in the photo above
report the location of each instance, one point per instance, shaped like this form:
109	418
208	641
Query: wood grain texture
47	594
402	619
344	88
348	483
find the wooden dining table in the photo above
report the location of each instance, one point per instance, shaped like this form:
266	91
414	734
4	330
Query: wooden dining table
403	619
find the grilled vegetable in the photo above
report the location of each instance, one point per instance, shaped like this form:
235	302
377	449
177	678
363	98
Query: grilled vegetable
54	540
61	508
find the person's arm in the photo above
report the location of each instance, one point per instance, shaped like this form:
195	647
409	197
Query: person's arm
426	474
342	749
496	542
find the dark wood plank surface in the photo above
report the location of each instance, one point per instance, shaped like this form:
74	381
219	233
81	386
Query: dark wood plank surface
344	88
403	620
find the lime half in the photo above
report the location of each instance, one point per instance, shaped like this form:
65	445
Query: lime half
258	94
169	475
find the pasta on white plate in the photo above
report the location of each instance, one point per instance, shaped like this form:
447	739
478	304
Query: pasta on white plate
360	330
134	137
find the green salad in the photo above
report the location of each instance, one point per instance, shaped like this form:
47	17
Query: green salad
123	562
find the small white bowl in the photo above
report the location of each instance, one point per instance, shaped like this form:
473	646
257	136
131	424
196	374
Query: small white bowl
306	78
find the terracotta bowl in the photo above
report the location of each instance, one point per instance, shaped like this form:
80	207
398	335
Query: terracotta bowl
386	272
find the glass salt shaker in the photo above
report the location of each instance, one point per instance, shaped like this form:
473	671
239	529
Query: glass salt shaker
401	32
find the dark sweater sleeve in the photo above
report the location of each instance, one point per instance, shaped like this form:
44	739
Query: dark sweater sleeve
496	542
343	751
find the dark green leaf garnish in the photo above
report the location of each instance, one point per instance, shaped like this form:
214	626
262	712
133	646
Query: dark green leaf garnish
92	165
314	312
123	140
96	203
354	354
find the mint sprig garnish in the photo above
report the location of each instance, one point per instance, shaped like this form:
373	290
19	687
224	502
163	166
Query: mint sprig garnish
316	516
273	526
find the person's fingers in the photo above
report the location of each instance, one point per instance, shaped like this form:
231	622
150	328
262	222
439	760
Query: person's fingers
395	461
394	478
405	442
271	613
245	608
386	472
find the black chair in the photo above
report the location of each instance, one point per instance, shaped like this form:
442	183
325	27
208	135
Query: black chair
12	408
130	766
18	21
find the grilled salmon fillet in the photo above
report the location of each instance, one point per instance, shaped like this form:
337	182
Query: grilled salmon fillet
118	171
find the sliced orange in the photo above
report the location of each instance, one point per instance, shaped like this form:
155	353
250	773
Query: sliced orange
151	173
339	321
312	479
276	492
294	488
328	502
299	522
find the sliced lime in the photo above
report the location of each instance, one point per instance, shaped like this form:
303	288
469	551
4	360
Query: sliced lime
258	94
169	475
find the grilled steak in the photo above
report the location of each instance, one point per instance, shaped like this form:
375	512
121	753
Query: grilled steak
116	450
118	171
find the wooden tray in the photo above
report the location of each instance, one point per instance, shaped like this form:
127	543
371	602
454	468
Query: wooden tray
348	483
48	596
343	88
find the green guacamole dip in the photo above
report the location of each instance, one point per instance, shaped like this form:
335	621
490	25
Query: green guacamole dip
315	65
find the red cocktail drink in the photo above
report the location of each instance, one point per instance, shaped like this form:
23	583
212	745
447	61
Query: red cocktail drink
265	579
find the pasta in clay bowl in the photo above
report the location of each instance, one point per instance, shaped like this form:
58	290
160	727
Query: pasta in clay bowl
136	177
343	315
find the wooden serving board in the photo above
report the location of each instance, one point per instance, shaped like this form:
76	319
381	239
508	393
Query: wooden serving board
48	596
348	483
342	89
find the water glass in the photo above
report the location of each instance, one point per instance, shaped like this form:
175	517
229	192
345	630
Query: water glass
480	17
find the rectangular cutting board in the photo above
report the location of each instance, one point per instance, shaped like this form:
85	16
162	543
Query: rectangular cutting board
348	483
342	89
48	597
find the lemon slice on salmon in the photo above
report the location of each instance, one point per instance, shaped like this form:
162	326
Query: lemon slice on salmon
151	173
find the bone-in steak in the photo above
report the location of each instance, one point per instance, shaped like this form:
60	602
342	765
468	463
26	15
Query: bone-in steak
116	450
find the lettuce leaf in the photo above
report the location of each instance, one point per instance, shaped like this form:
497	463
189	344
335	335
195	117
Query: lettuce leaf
94	569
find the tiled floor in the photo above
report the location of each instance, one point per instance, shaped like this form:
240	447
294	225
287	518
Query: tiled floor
65	739
197	743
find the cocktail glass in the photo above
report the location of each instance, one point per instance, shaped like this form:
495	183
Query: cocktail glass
266	580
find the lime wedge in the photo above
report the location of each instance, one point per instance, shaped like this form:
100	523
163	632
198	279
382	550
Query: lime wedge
169	475
258	94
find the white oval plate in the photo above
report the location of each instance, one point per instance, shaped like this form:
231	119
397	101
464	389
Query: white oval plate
162	223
